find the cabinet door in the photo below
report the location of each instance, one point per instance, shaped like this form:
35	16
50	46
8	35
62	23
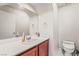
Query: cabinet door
43	49
31	52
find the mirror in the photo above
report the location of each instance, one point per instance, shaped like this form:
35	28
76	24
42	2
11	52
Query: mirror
13	22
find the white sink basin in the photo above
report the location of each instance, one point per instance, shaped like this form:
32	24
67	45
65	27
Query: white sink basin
13	46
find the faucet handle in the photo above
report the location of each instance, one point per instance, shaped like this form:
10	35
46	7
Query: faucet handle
16	34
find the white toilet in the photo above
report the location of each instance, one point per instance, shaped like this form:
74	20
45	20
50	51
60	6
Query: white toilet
68	47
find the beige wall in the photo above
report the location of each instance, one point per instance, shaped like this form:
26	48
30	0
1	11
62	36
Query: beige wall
69	24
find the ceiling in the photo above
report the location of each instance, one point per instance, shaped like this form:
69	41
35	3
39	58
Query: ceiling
62	4
41	7
10	7
30	8
44	7
34	8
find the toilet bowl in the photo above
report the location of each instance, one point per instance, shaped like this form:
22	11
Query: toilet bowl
68	47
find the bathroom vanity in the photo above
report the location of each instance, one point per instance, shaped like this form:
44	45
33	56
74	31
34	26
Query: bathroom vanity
38	50
32	47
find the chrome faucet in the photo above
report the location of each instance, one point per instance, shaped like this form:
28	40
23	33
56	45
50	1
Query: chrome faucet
37	33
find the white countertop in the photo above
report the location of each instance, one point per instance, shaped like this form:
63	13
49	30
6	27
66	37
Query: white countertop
13	46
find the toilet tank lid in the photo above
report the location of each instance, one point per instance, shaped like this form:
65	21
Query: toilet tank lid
69	44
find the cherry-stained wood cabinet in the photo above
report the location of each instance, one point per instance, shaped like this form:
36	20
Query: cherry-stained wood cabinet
39	50
43	49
